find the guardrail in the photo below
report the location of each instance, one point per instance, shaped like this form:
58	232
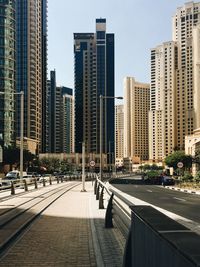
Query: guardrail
152	238
33	182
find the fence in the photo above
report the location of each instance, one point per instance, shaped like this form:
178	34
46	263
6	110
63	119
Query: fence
152	238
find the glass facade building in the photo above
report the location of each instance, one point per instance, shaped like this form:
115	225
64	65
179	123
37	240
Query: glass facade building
31	21
94	76
7	72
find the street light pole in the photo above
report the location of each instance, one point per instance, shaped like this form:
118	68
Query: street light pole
83	167
101	133
21	134
101	128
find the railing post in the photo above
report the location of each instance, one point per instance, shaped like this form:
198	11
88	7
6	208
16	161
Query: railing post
108	217
12	188
127	258
97	194
95	187
25	185
35	182
61	179
101	206
57	180
50	181
44	183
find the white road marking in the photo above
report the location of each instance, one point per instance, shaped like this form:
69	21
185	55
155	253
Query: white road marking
149	191
181	199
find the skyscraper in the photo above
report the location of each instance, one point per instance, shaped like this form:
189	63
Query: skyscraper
136	107
7	72
31	64
185	20
59	117
119	131
162	114
94	76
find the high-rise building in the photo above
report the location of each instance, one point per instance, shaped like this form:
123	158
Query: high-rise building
136	107
31	64
94	76
44	73
7	72
59	118
68	121
185	20
119	132
162	114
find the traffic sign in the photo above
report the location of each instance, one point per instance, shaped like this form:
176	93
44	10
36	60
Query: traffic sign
92	163
180	165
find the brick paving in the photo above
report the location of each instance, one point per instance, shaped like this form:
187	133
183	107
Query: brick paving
69	233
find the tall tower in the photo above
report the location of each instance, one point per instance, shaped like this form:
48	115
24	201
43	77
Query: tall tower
119	131
94	76
136	107
31	64
162	114
7	72
186	18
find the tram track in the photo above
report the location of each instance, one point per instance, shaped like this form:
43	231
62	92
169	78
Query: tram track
16	220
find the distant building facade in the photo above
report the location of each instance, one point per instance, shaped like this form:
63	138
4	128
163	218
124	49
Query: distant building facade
136	107
119	134
7	72
31	17
163	106
94	76
59	117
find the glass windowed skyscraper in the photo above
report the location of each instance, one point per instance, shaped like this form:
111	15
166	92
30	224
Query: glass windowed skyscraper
7	72
31	17
94	76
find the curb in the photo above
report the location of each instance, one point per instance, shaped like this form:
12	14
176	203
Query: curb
183	190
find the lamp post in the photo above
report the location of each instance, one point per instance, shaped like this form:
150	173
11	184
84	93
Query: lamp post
83	167
21	93
101	127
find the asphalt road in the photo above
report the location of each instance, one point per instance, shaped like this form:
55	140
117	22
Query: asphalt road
183	204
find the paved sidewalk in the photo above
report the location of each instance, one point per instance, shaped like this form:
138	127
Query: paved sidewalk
69	233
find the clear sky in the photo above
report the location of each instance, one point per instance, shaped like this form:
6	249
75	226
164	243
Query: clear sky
138	25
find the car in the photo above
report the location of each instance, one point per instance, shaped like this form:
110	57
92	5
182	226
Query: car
45	177
167	180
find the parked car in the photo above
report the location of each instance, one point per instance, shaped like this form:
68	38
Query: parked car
45	177
12	176
167	180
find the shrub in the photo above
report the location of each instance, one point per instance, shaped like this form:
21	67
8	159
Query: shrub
187	177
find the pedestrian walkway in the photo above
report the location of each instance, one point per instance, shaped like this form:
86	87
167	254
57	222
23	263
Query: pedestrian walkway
69	233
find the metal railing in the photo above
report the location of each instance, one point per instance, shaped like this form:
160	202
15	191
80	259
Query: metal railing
33	183
152	238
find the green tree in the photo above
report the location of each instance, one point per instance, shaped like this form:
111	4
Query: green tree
179	156
11	156
187	177
197	177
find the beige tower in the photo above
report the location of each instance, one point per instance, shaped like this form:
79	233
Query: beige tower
185	20
136	107
162	127
119	132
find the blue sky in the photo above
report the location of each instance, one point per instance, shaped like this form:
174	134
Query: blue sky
139	25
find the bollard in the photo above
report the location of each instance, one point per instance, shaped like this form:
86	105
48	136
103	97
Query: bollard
61	179
95	187
101	206
12	188
35	182
25	185
50	181
97	195
108	217
44	182
57	180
